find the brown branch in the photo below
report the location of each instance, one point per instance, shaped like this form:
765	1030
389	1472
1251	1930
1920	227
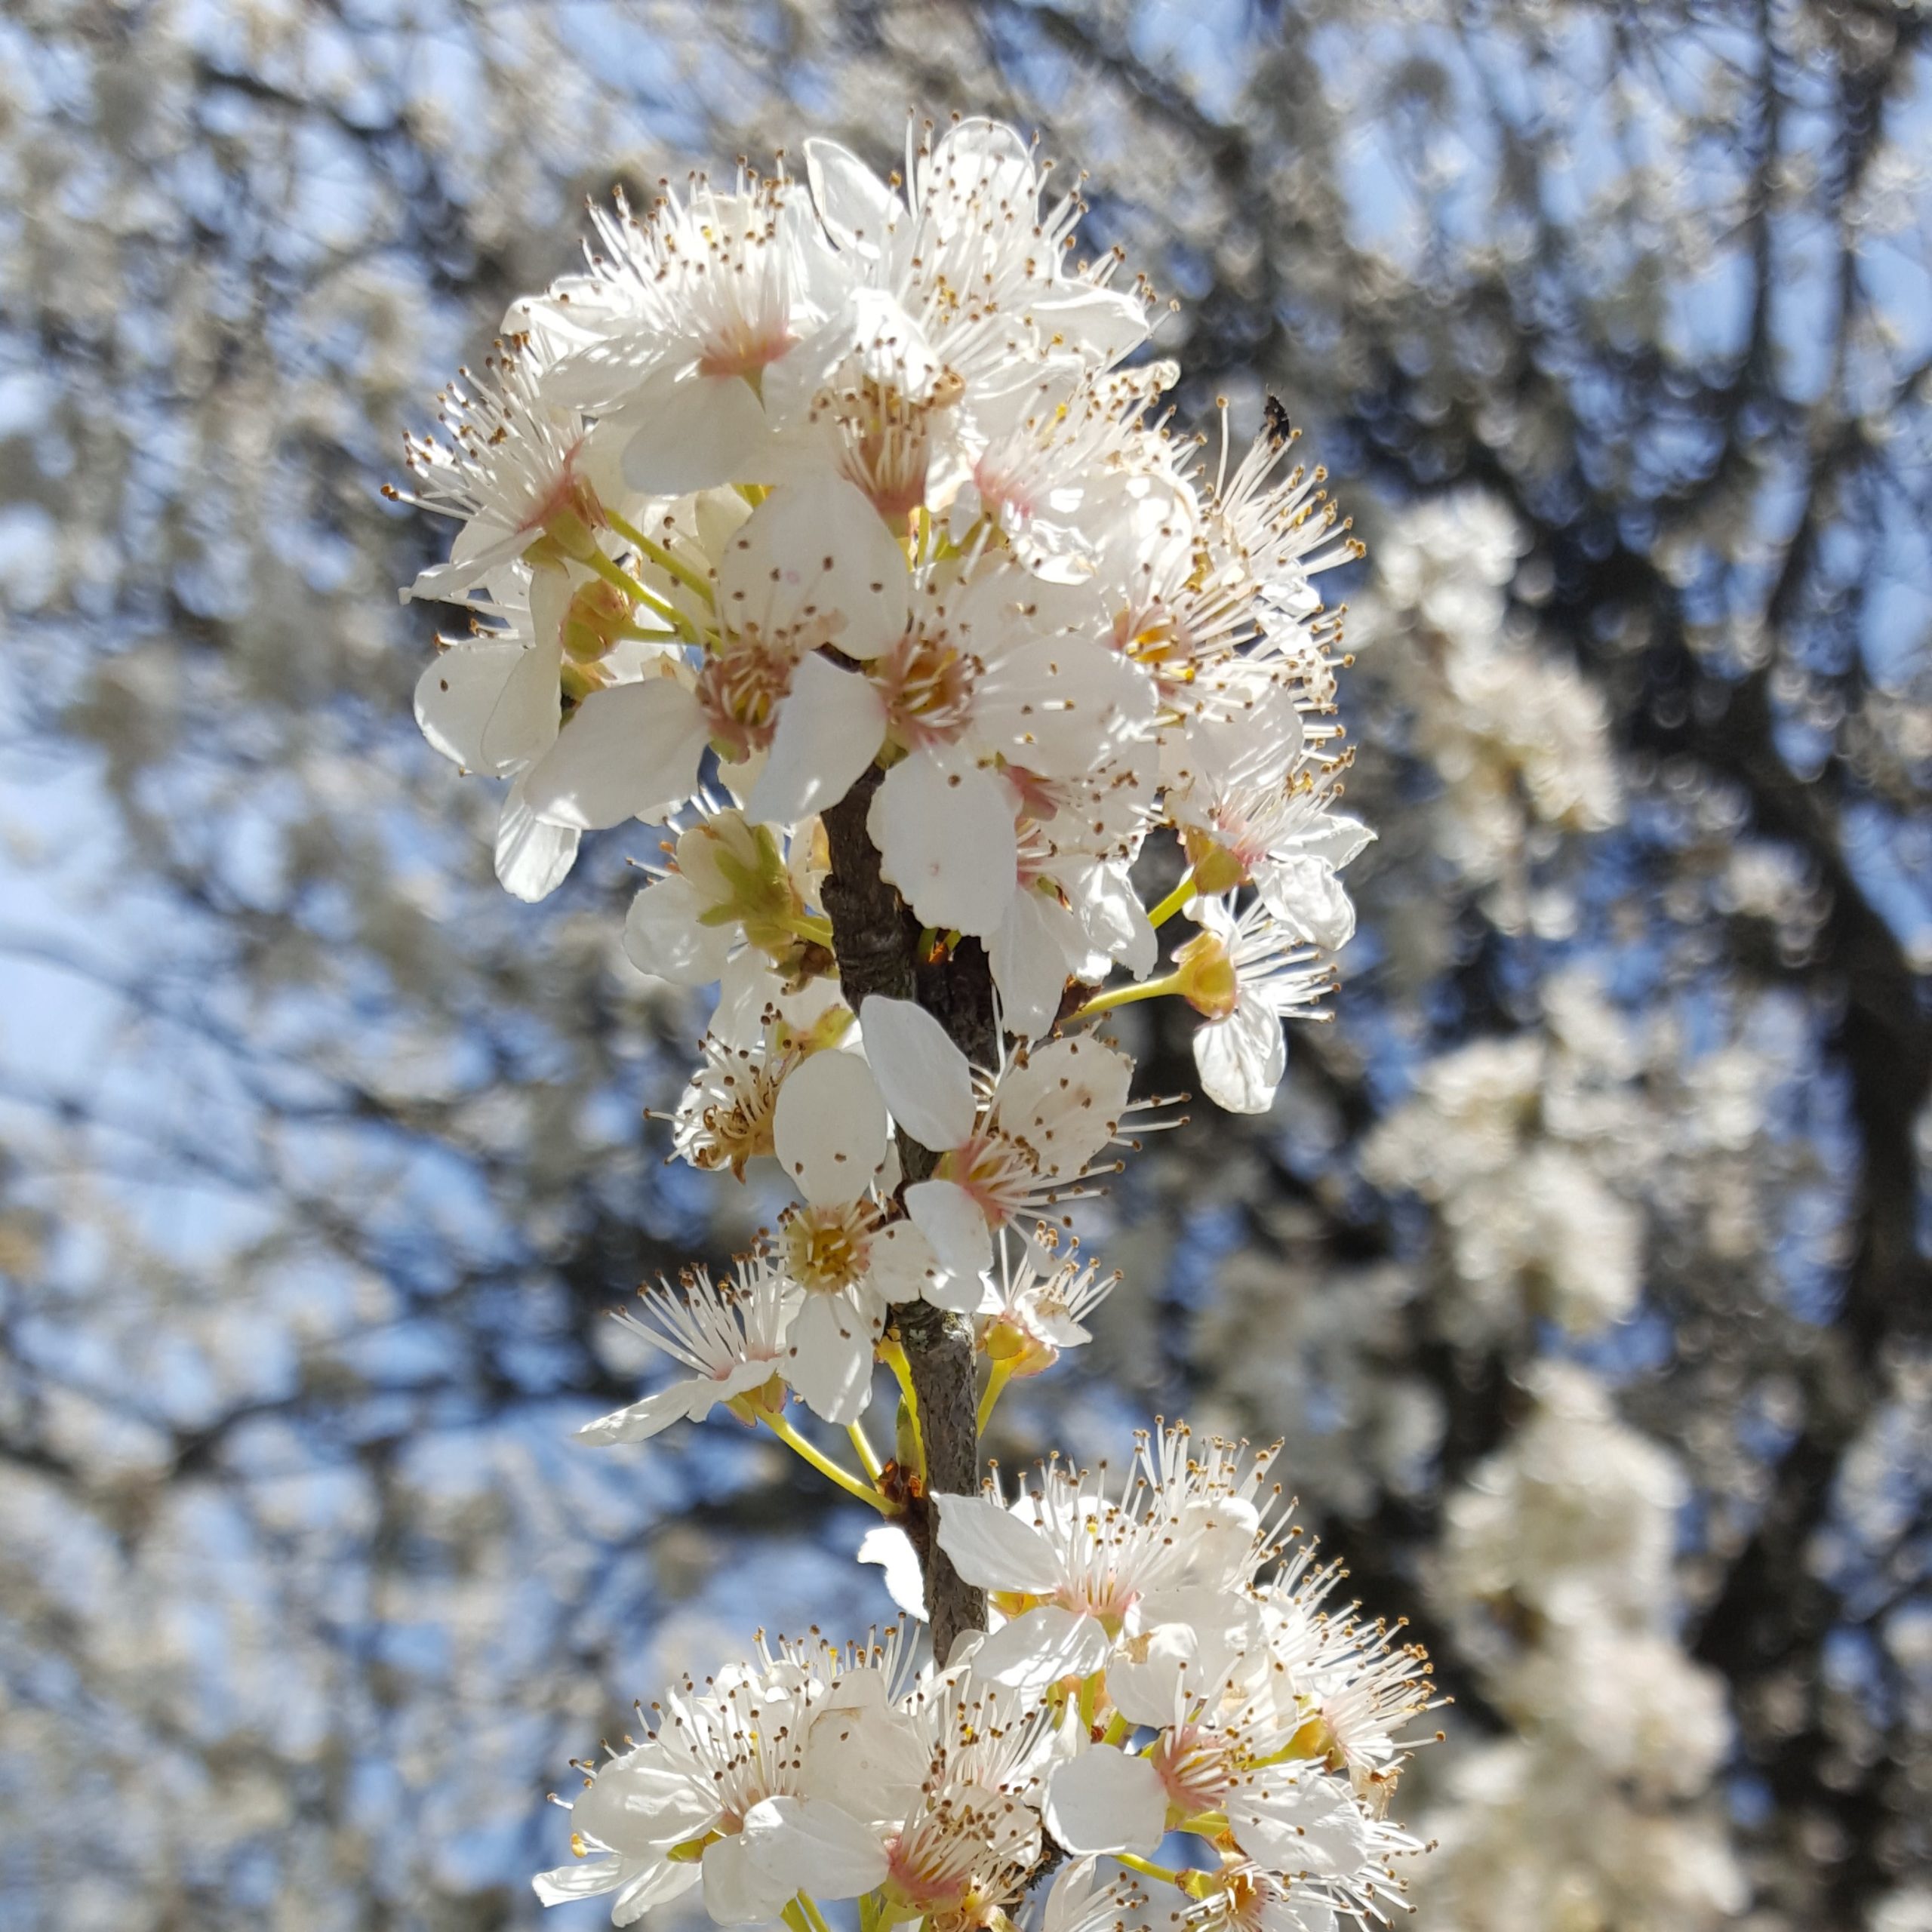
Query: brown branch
876	940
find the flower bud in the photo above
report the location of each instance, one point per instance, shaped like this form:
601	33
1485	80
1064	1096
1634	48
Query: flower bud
572	527
1216	870
739	868
1007	1344
595	621
1205	978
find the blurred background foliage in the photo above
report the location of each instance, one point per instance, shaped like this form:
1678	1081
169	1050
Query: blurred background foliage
1582	1261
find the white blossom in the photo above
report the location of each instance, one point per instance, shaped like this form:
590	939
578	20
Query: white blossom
731	1340
1044	1122
850	1258
1245	974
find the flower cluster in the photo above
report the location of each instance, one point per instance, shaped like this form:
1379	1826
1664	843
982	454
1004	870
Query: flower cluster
837	527
1158	1668
1520	1144
853	490
1520	741
1557	1564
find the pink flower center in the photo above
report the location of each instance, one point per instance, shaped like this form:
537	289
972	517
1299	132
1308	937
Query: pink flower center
741	690
998	1174
744	347
1193	1769
567	498
927	684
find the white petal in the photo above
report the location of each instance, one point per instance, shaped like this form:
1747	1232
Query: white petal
481	546
811	1845
1307	897
690	433
891	1548
657	1884
1221	1624
814	563
1142	1680
959	1294
855	206
630	752
1067	1902
830	726
1058	707
892	347
736	1891
927	1080
583	1881
455	694
992	1547
523	724
1143	944
664	937
831	1359
1113	920
1255	749
1053	553
1338	839
1042	1647
1219	1539
1105	1801
950	1219
1066	1102
982	155
829	1128
644	1419
944	834
1106	323
641	1802
1299	1824
870	1760
533	859
1241	1059
1029	963
904	1267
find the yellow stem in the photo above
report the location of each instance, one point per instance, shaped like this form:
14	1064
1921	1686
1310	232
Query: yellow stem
868	1461
1174	901
1002	1373
667	561
823	1463
1147	1868
1126	995
812	1912
894	1356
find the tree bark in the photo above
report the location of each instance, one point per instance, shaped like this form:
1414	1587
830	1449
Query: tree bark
875	939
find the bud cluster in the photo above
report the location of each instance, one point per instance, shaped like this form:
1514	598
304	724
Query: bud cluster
830	525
